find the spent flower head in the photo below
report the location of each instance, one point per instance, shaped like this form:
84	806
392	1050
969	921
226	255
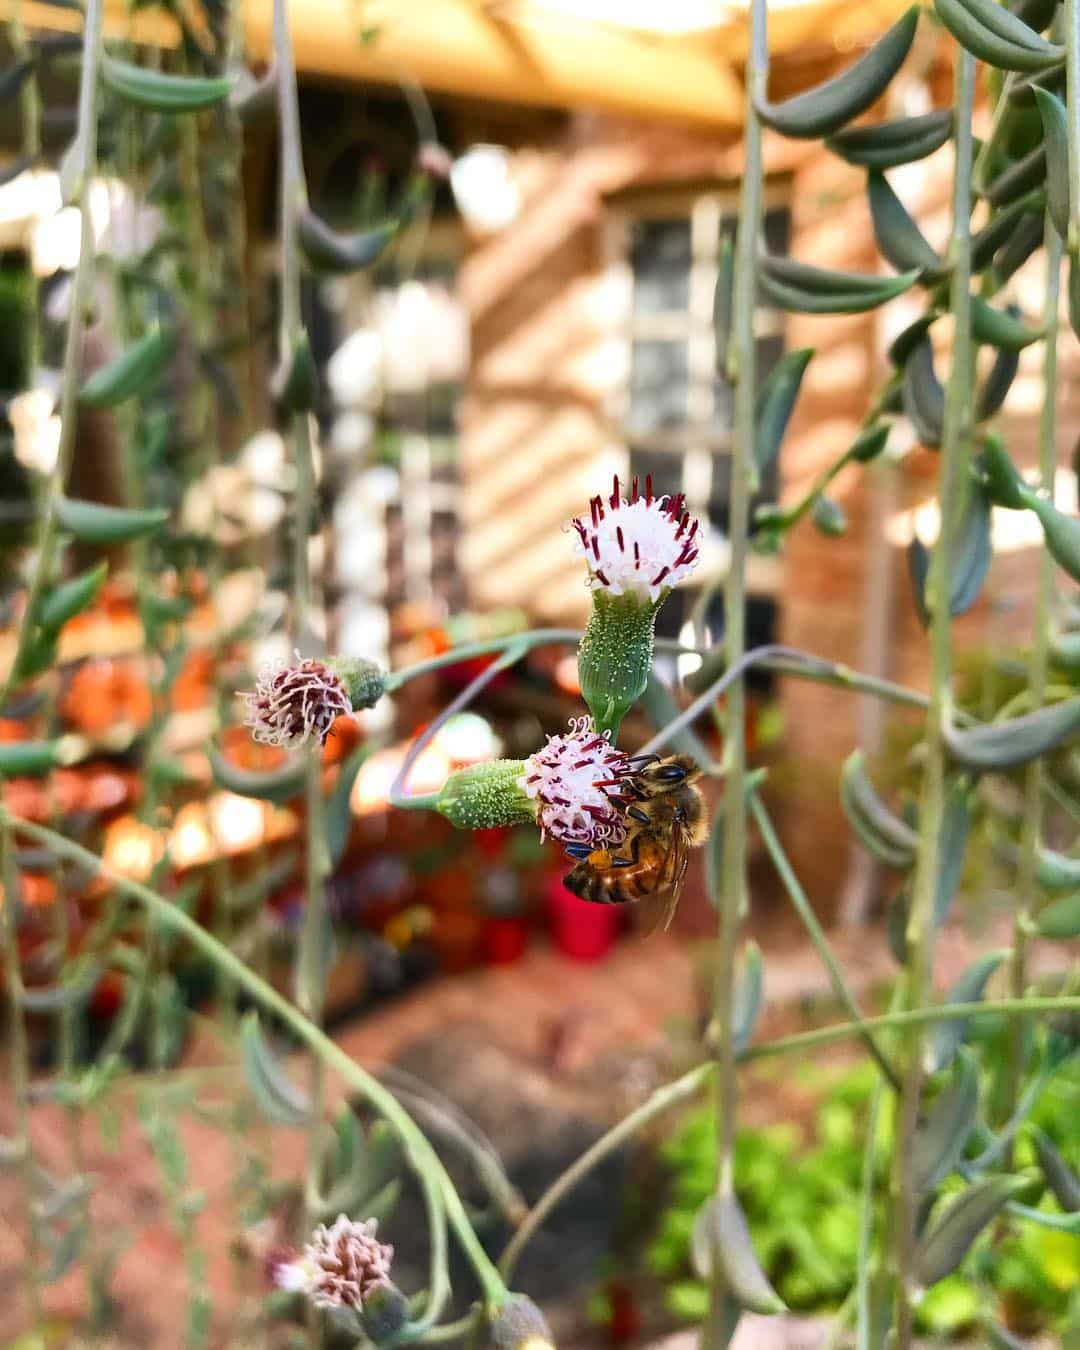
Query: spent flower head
639	547
302	699
579	783
342	1266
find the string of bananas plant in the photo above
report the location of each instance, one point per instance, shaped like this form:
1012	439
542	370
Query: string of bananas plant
629	822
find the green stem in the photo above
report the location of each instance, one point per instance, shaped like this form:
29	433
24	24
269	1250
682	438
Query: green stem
906	1019
864	1273
398	796
953	489
1031	828
1072	101
308	956
30	139
20	1065
538	637
83	163
661	1101
817	934
783	660
421	1156
715	1332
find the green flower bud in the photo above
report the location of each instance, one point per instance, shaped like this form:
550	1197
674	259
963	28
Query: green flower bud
636	551
364	681
520	1325
485	795
384	1313
615	656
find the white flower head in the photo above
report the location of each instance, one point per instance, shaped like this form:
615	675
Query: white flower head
341	1267
640	547
293	703
579	780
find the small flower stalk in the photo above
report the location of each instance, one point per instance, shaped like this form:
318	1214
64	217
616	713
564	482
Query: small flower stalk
299	701
345	1270
636	550
579	783
486	795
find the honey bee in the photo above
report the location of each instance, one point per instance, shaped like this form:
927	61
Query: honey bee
665	819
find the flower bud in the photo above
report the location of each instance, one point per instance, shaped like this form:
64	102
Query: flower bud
615	655
385	1312
636	551
485	795
520	1325
364	681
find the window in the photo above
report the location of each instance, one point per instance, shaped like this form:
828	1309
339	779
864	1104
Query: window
675	411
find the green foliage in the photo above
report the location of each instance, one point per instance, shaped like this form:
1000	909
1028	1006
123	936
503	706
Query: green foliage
801	1197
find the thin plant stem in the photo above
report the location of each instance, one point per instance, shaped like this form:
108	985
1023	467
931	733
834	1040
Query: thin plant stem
30	144
1072	102
82	163
419	1153
816	933
953	489
20	1067
716	1330
661	1101
864	1273
398	795
308	957
1031	828
905	1019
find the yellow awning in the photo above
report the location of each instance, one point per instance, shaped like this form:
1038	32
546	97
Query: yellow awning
526	51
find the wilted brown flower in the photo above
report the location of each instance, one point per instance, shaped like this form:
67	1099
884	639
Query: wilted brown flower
290	704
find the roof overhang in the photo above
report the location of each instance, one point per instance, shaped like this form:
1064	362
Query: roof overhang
529	51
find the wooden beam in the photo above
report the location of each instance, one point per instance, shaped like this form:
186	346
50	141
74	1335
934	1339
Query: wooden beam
462	47
516	54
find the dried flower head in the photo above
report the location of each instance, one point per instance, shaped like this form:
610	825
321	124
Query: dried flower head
341	1267
640	547
292	703
579	782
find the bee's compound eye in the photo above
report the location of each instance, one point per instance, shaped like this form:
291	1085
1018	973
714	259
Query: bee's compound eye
670	773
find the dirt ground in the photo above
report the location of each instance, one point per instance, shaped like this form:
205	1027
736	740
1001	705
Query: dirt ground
542	1055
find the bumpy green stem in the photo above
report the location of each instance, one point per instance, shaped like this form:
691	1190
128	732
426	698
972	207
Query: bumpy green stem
952	494
715	1332
82	164
1037	668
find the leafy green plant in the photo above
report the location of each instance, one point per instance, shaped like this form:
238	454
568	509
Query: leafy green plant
801	1191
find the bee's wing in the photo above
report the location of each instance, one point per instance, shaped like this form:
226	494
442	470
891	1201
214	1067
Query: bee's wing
670	880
